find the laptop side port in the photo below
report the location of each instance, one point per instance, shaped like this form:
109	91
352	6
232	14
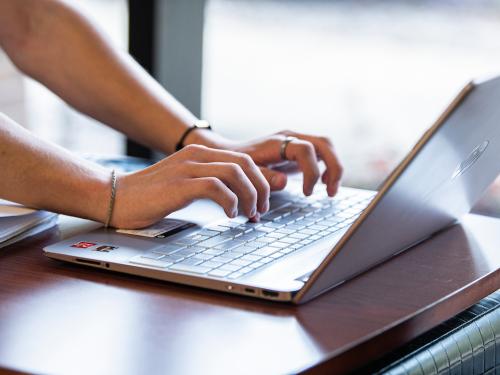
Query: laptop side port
269	293
87	261
250	290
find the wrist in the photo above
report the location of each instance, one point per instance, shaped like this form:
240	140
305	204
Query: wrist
210	139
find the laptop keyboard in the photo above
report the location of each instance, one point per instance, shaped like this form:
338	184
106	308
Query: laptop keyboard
232	249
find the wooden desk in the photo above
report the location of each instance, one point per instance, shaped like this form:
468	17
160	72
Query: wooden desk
61	318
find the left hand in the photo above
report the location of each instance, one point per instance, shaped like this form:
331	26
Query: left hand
305	151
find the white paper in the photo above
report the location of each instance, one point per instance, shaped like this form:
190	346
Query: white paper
9	209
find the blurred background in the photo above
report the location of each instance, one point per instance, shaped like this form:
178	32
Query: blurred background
372	75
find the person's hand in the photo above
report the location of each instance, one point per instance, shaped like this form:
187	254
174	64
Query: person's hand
305	151
229	178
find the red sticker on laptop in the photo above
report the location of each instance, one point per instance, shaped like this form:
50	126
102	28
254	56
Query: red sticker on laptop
83	245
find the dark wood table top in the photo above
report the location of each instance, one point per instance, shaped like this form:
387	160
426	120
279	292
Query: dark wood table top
63	318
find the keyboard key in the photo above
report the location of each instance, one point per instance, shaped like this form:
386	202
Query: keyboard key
149	262
229	267
202	256
271	216
230	255
317	227
196	249
255	244
256	265
198	237
236	275
252	236
168	249
208	233
246	270
266	260
289	240
189	268
315	237
277	255
286	220
214	241
213	252
219	273
265	251
309	231
212	264
233	233
229	245
286	230
265	239
298	235
264	230
186	253
244	249
286	211
230	224
190	262
217	228
276	235
172	258
152	255
186	241
221	259
273	225
279	244
250	257
240	262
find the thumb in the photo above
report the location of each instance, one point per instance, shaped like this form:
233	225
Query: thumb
276	180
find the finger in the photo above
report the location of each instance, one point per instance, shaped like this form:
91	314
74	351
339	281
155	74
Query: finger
276	180
326	152
304	154
208	155
333	172
233	176
214	189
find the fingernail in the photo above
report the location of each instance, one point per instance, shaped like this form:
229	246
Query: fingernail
253	212
265	208
256	218
234	213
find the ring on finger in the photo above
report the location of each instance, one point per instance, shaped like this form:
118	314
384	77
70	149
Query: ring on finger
284	145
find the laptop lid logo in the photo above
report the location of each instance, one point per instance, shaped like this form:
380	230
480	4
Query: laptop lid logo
469	162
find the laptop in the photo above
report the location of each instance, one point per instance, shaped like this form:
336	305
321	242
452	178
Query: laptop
305	246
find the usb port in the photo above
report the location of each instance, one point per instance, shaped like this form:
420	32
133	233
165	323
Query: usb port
269	293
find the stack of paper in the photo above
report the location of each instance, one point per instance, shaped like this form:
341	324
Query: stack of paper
18	222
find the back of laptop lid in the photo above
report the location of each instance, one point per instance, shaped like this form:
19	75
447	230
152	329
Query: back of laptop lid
437	183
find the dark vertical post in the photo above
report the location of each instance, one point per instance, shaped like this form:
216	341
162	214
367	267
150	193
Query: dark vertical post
141	47
166	38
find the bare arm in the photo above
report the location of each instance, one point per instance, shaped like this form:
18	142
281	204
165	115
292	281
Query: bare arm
57	46
42	175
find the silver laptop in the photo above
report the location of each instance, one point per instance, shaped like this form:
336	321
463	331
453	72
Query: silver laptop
305	246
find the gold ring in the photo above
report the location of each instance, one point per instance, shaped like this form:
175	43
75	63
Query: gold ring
284	145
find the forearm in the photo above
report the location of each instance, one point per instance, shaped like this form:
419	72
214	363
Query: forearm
41	175
58	47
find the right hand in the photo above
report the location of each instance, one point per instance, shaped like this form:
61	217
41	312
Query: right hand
230	179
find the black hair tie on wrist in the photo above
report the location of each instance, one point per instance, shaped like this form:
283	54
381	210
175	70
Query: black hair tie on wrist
199	124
